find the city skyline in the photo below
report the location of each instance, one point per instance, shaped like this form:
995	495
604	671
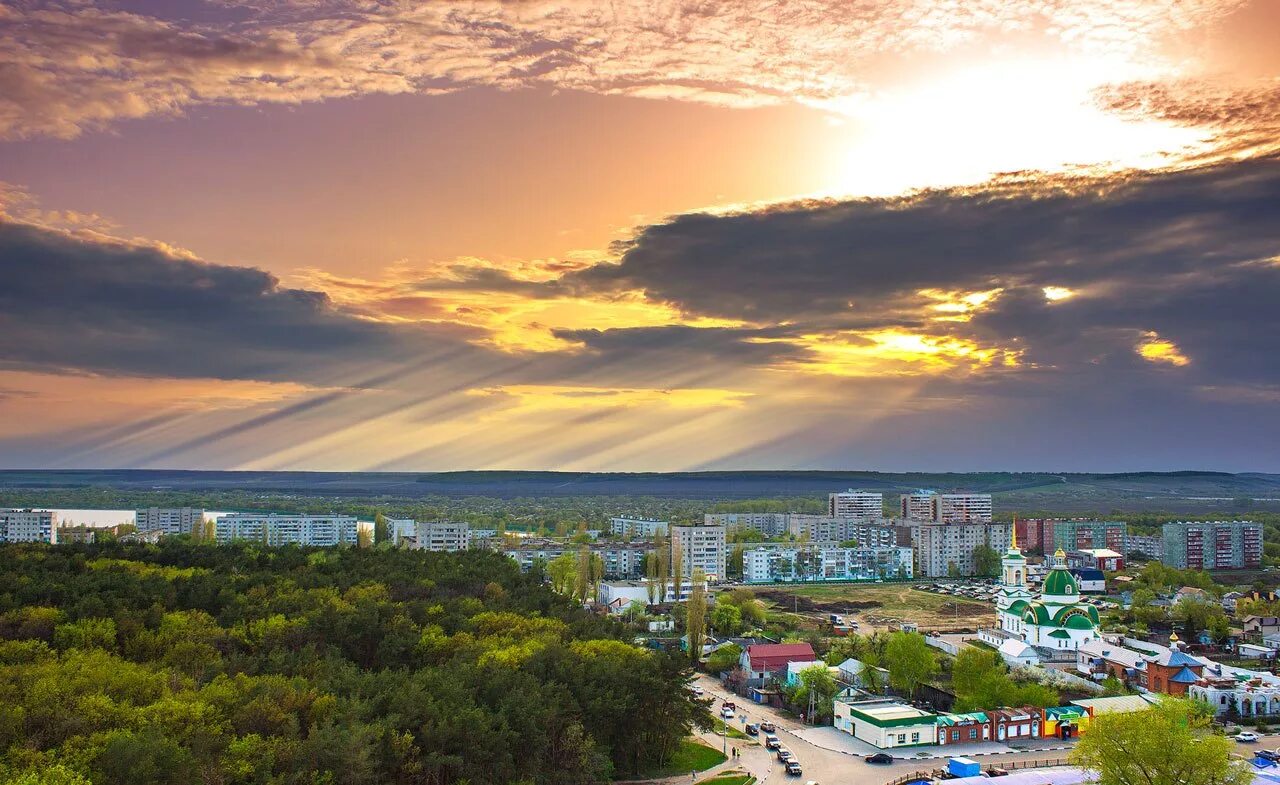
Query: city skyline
901	235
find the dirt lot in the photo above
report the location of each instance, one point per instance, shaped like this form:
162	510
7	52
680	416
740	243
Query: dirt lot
881	606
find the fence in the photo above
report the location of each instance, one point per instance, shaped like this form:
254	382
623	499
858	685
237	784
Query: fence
941	645
933	774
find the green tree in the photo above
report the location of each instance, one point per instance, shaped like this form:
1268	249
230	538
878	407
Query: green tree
381	529
696	622
911	662
986	560
724	658
1170	743
726	619
814	693
563	571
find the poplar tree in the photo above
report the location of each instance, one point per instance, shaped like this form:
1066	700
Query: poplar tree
696	620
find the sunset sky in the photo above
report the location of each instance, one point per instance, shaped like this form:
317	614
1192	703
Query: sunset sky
648	235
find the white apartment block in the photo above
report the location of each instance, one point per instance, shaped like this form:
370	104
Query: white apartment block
443	536
170	521
401	529
962	508
28	526
273	529
701	547
770	524
863	505
816	528
824	562
621	560
638	527
938	546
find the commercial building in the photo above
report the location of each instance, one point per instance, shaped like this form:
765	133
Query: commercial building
1149	545
442	536
943	550
816	528
781	563
273	529
18	525
862	505
770	524
171	521
638	527
1096	559
885	723
701	548
1213	545
946	507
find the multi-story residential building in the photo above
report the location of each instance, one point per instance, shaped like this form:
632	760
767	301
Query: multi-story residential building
1212	545
273	529
28	526
701	548
1076	534
446	536
170	521
402	530
819	529
622	560
944	549
79	533
779	562
1149	545
638	527
916	506
770	524
617	596
863	505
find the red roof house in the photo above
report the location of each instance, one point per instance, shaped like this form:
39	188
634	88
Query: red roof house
764	658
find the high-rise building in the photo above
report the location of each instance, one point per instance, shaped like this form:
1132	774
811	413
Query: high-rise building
273	529
1212	545
1074	535
28	526
171	521
638	527
862	505
820	529
962	508
917	506
402	530
1149	545
444	536
701	547
946	549
770	524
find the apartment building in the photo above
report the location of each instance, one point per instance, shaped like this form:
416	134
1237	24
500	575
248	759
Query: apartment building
946	507
863	505
1075	535
916	506
779	562
1212	545
1149	545
18	525
274	529
770	524
78	533
638	527
622	560
443	536
944	549
170	521
821	529
701	548
402	530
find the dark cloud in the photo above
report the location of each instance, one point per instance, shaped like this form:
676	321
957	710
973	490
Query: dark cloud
118	308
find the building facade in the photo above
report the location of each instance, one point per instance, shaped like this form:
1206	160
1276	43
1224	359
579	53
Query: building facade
1213	545
817	528
942	550
946	507
171	521
862	505
638	527
18	525
442	536
622	560
770	524
701	548
783	563
1149	545
273	529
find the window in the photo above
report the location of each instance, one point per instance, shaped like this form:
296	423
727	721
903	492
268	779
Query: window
973	733
902	738
915	738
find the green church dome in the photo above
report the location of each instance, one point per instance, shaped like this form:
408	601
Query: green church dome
1060	583
1079	622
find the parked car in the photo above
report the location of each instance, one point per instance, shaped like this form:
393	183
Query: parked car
768	727
731	706
1273	755
879	757
793	768
698	691
1247	735
752	729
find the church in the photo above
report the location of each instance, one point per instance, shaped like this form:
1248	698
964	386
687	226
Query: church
1055	619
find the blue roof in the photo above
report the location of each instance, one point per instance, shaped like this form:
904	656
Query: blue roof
1177	658
1184	676
1088	575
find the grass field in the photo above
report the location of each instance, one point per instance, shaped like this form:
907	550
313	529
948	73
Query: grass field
692	755
877	605
718	726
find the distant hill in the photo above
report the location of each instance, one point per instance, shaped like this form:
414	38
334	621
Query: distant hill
1186	490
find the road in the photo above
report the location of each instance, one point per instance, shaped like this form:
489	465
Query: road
836	768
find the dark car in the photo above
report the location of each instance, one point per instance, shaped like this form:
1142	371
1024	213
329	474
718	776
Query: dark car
768	727
879	757
793	768
752	729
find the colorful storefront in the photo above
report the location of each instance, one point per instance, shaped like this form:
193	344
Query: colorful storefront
964	728
1064	722
1015	724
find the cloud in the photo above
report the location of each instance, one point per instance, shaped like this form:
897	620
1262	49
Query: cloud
825	54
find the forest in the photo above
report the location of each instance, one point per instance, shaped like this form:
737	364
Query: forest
243	664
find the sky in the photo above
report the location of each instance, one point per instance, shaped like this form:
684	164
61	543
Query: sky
935	235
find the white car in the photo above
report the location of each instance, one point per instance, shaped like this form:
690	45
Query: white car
1247	735
698	691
